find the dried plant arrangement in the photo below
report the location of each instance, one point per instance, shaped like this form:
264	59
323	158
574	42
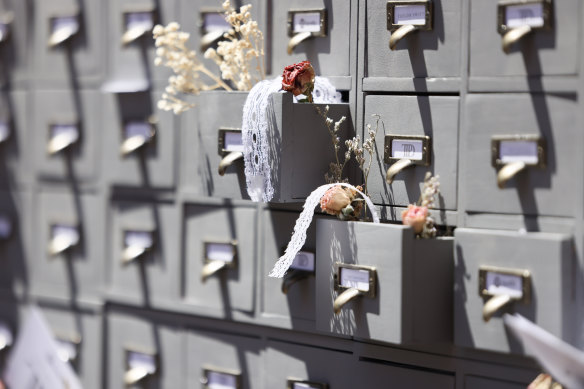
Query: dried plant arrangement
234	57
416	215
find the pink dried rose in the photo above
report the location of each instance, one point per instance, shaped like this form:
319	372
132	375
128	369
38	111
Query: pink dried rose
336	199
299	79
415	216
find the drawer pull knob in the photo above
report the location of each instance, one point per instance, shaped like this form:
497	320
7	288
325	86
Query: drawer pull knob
495	304
509	171
399	34
296	40
293	277
396	168
514	36
211	268
135	375
210	38
344	298
228	160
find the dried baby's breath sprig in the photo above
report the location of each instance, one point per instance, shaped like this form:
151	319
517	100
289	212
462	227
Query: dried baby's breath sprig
172	52
417	216
243	46
335	173
354	145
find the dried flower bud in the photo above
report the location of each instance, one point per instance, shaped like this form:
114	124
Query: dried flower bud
299	79
336	199
415	216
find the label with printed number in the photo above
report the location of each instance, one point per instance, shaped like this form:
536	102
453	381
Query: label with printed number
507	284
355	278
306	22
524	15
407	148
141	239
220	252
409	14
304	260
518	151
217	380
233	141
215	22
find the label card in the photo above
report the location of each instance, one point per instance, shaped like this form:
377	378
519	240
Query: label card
218	380
67	350
215	21
69	131
4	131
223	252
5	227
65	23
233	141
524	15
306	22
355	278
304	261
6	338
137	360
137	128
518	151
142	239
407	148
139	20
507	284
410	14
69	234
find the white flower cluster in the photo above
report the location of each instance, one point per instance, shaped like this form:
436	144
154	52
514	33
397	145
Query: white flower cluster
354	145
336	168
172	52
430	191
243	46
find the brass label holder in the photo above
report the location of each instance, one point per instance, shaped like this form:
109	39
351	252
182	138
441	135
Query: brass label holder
512	154
137	134
227	378
217	258
137	23
210	35
302	267
230	148
517	18
502	286
136	243
402	151
355	282
301	26
140	365
405	17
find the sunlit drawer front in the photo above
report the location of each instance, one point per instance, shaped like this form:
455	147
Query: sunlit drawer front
497	272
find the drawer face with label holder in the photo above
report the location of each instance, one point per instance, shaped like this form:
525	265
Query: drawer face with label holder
499	272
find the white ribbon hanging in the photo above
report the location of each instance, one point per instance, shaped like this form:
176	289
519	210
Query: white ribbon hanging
303	222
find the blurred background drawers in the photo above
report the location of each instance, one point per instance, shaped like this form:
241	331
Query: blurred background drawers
15	147
537	270
15	52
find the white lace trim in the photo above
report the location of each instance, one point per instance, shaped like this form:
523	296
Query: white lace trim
303	222
257	130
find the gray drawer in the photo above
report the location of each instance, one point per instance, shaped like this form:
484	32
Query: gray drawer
15	242
66	132
534	191
534	55
292	298
329	55
200	156
15	53
286	361
144	263
219	358
69	233
433	116
425	54
139	141
214	234
15	152
397	309
372	372
547	298
80	57
134	343
79	338
131	55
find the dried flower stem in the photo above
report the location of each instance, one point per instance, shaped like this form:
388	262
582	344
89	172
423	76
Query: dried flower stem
335	173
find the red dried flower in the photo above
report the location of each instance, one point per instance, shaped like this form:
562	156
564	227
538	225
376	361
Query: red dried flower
299	79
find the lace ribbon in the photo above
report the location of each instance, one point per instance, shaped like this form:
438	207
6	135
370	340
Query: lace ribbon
258	128
303	222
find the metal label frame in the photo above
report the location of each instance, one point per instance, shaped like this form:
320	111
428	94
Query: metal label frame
65	122
525	278
391	26
323	21
151	120
232	243
496	144
138	350
134	10
221	139
426	149
317	385
211	369
151	232
502	27
371	293
75	225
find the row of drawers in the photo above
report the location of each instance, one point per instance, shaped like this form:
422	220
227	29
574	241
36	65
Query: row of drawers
432	54
188	355
190	158
213	260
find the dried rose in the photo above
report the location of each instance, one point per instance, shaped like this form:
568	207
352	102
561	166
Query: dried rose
415	216
335	200
299	79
